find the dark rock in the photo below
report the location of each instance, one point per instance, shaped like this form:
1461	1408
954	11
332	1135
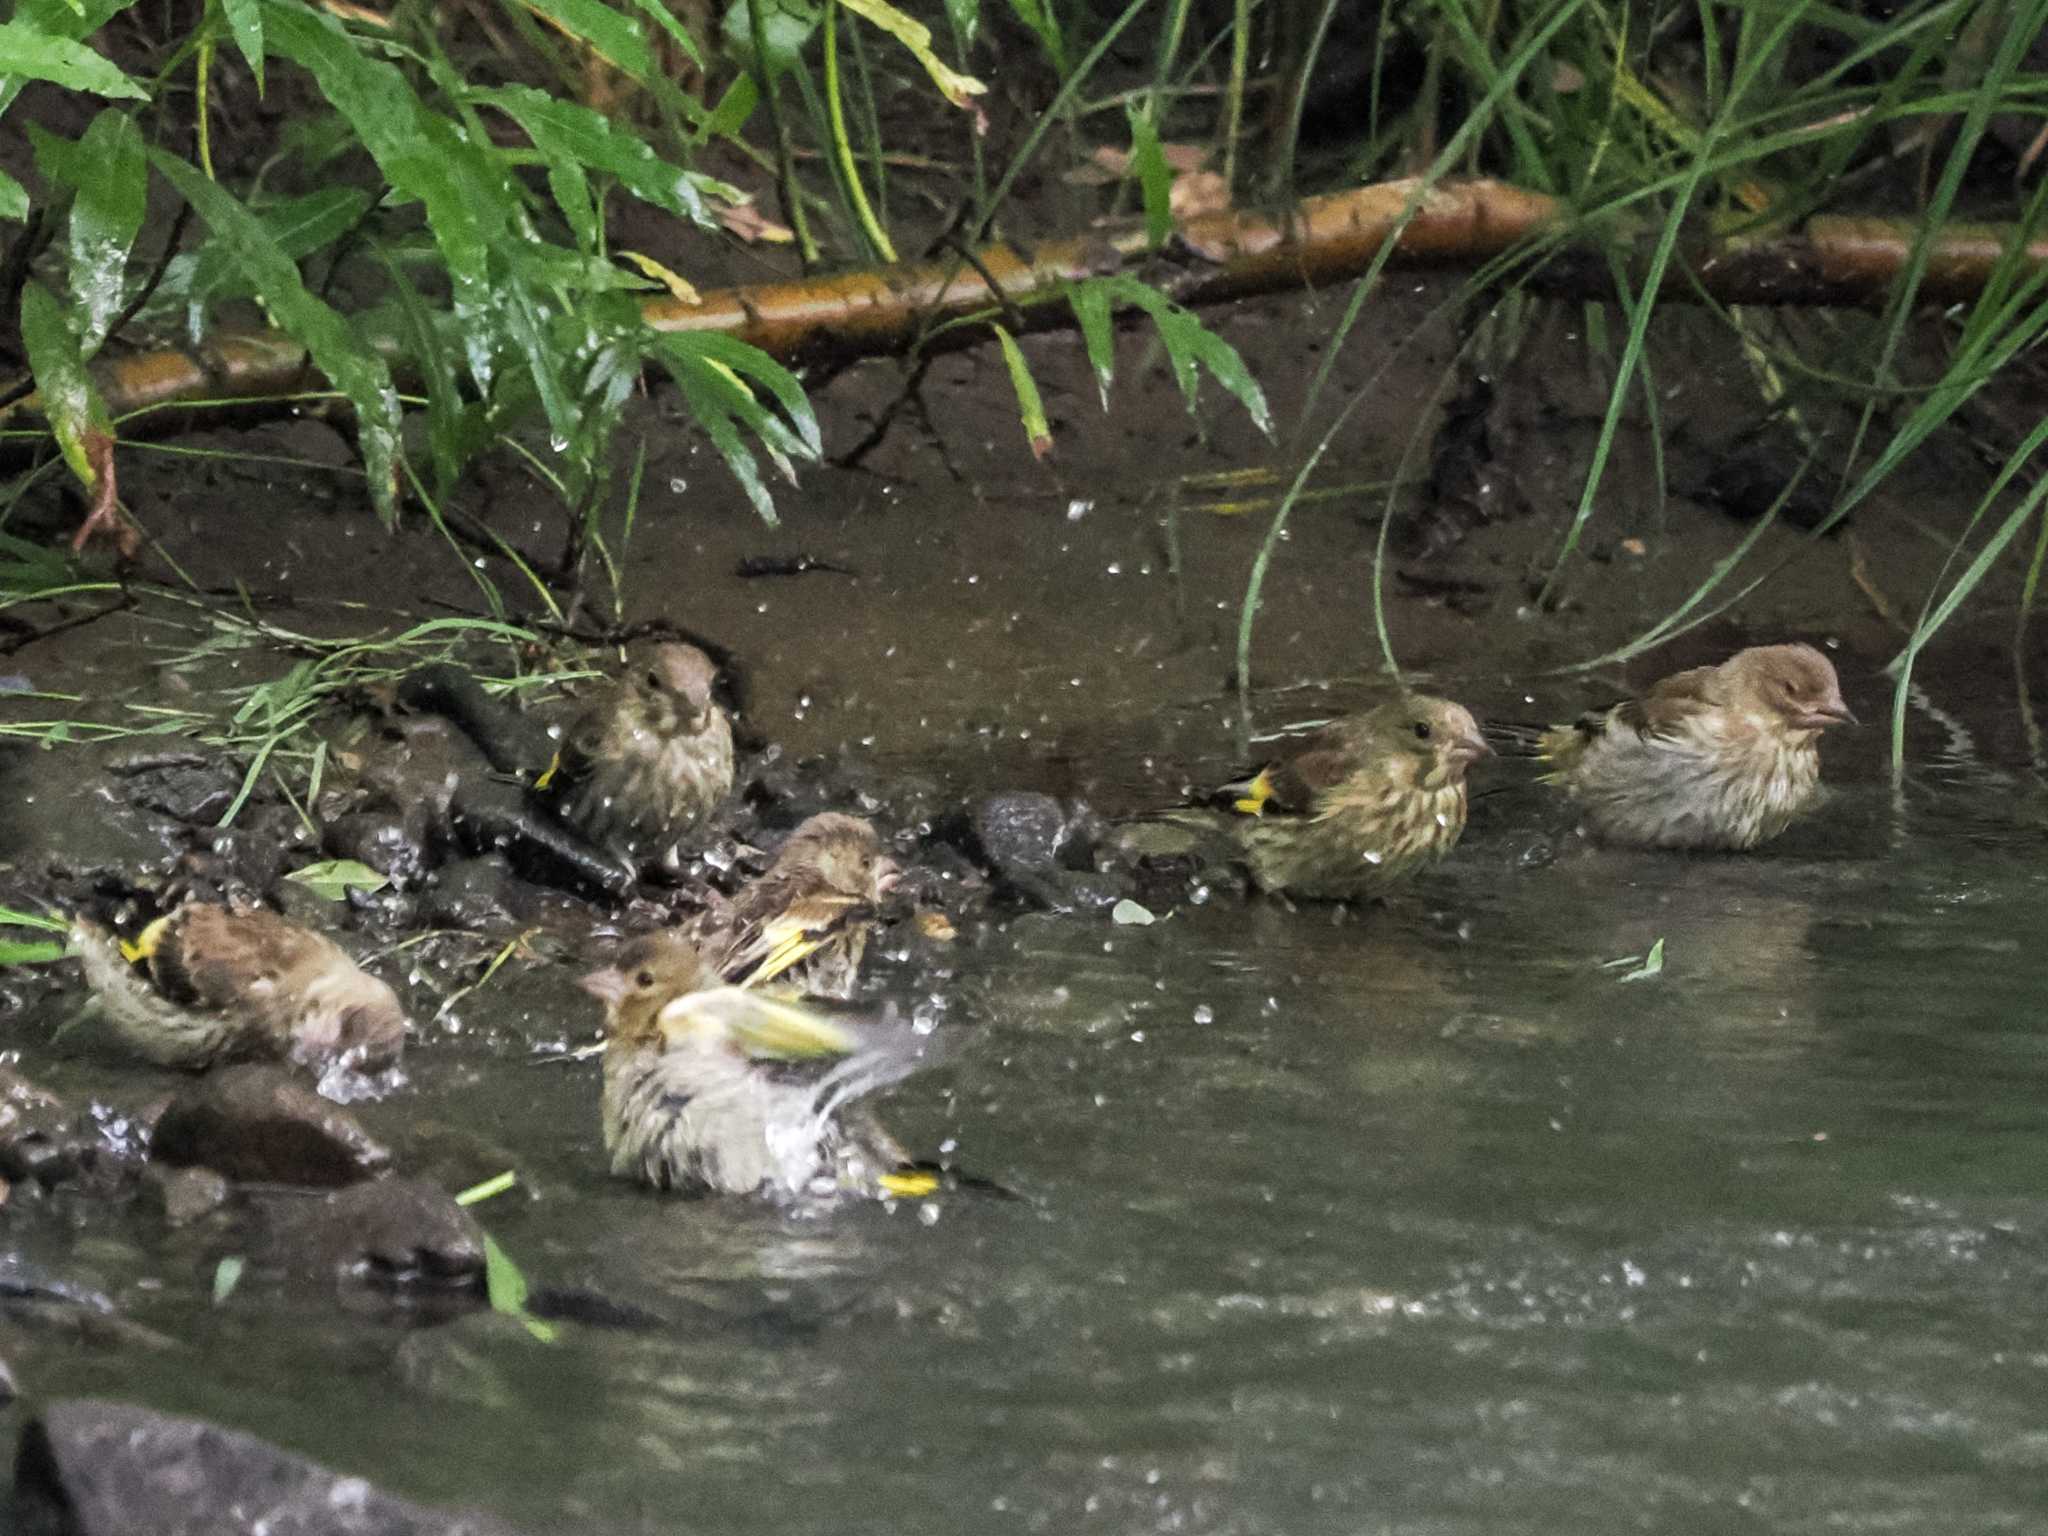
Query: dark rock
398	1234
388	842
187	786
35	1131
1018	832
88	1467
474	893
182	1195
259	1124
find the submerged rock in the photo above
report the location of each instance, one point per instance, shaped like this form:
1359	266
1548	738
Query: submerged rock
384	840
473	894
398	1234
42	1142
182	1195
1042	850
88	1467
259	1124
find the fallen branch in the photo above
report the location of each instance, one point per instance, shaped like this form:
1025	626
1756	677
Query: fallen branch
1213	258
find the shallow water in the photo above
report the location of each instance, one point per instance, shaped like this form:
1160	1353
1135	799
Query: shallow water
1416	1221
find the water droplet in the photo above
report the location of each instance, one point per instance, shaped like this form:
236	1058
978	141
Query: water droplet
677	485
1204	1014
1078	509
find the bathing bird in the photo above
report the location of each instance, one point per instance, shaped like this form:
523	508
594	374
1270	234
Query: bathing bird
648	760
209	983
722	1090
1362	803
1722	757
804	922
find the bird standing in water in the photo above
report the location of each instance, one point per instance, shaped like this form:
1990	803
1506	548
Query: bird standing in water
1361	804
1719	757
648	760
805	921
209	983
714	1089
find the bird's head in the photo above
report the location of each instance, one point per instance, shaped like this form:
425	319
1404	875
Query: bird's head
648	974
844	852
683	674
1441	737
1792	684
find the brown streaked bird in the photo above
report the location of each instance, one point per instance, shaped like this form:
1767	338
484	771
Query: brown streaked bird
804	922
208	983
1363	803
650	758
716	1089
1711	758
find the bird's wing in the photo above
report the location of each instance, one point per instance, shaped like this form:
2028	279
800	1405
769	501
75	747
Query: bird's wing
772	943
761	1027
209	957
1662	712
1292	784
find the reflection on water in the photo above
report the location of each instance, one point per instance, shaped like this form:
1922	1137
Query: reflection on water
1421	1221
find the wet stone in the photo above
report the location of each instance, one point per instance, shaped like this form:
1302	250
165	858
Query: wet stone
35	1129
474	893
89	1467
259	1124
397	1234
384	840
193	787
182	1195
1018	832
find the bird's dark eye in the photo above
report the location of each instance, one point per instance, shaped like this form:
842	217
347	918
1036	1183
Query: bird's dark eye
655	682
644	979
1422	730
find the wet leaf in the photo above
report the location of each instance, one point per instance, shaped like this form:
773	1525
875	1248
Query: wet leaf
1132	914
570	136
618	40
716	375
308	319
300	226
1029	405
227	1274
333	880
13	198
1653	964
27	52
1190	346
245	24
1091	309
106	215
31	951
76	413
506	1287
1044	22
957	88
1155	179
663	17
786	25
680	288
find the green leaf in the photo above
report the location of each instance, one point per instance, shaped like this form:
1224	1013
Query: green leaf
570	135
1040	18
1029	405
18	917
1653	964
914	35
74	408
308	319
1090	302
245	23
31	54
227	1274
506	1288
786	25
469	200
965	16
1132	914
663	17
1190	347
31	951
618	40
299	226
1155	177
106	216
13	198
333	880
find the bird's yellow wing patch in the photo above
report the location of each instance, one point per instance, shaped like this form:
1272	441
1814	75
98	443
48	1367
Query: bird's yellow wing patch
788	942
547	775
909	1183
759	1026
1253	801
145	943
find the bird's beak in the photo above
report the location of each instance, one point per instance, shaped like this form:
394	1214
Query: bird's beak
888	875
1468	747
1833	712
607	985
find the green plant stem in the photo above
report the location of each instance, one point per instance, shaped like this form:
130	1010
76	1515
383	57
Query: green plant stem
785	161
1233	105
842	145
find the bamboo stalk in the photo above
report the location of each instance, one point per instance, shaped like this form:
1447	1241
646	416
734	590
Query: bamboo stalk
1215	258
